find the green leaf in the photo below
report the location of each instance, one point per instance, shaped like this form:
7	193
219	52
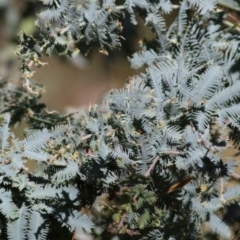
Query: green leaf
116	217
143	220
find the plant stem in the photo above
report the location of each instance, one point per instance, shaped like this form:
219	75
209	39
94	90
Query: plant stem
152	166
41	120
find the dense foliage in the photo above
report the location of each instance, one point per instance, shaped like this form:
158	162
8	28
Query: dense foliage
153	148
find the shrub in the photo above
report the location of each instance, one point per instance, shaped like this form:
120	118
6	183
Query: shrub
154	147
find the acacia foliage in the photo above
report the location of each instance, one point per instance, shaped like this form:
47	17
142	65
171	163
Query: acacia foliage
155	146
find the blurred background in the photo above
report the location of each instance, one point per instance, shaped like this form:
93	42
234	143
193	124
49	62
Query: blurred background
70	83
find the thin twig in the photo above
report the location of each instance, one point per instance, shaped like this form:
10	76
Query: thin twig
135	199
86	137
41	120
173	152
234	18
222	199
122	220
229	24
152	166
235	175
28	87
122	189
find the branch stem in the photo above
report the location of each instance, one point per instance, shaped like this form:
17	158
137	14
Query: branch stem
152	166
